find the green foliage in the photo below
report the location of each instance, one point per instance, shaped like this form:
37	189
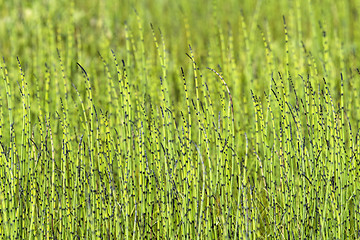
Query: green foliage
179	120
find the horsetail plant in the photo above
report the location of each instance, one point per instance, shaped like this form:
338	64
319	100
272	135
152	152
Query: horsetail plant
220	121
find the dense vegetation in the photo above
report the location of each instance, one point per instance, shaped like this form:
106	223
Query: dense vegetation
179	119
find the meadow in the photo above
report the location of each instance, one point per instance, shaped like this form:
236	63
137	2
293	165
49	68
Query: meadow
179	119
